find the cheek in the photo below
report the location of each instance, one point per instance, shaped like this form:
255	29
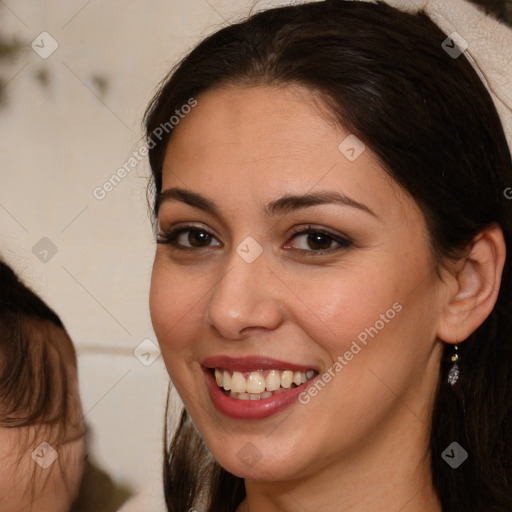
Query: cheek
379	341
377	325
26	486
176	303
344	308
378	295
9	476
168	302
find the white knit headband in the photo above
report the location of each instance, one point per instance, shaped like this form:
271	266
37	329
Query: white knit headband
486	42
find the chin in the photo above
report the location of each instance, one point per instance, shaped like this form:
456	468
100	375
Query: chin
260	460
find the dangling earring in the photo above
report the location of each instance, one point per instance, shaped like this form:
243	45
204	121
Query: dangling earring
453	374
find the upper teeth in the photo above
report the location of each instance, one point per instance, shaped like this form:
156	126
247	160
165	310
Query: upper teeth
257	382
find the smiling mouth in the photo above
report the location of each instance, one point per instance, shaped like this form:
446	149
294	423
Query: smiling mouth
260	384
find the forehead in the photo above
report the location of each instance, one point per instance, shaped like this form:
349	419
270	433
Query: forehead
264	141
253	122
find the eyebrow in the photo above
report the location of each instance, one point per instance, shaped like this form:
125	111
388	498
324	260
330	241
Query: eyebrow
283	205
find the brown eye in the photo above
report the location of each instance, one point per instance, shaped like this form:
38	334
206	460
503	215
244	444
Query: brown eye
319	241
198	238
314	240
188	238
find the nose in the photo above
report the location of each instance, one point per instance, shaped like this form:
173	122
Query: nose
245	299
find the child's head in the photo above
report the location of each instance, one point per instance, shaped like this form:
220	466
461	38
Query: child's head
41	429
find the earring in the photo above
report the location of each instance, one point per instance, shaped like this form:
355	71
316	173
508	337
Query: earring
453	374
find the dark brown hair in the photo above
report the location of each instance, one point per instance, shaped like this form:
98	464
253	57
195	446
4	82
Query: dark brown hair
34	358
384	76
39	398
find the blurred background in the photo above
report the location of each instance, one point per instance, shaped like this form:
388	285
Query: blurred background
75	78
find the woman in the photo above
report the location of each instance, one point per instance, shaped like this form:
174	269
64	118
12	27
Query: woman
41	428
331	289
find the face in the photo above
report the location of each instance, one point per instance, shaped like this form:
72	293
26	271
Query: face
301	272
44	477
26	484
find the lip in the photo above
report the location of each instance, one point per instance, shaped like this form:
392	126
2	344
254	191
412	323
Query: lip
251	409
251	364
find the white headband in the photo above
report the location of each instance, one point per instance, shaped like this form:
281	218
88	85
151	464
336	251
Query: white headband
486	42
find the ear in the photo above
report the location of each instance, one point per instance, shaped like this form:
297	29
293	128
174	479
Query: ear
472	286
